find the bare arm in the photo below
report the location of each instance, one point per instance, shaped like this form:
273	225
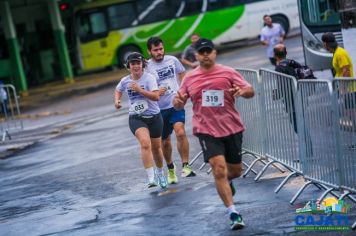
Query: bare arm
181	76
189	63
179	101
346	71
117	99
152	95
264	42
247	92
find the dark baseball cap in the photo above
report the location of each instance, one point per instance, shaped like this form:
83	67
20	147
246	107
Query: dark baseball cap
135	56
204	43
328	38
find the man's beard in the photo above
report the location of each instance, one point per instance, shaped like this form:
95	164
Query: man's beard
159	59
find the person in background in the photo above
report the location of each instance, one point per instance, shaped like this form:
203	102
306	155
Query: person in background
290	67
188	55
342	63
342	67
271	35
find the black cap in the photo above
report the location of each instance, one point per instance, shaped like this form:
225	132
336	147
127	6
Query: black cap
204	43
135	56
328	38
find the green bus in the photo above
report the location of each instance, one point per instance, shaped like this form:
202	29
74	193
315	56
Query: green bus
102	33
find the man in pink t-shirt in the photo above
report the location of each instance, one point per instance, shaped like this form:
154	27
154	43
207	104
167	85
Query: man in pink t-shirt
212	89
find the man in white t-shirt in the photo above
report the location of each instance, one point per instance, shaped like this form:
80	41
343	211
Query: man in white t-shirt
168	70
271	35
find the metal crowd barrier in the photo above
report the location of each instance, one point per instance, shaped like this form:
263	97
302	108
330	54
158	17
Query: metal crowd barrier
282	122
10	111
346	121
330	115
250	112
320	165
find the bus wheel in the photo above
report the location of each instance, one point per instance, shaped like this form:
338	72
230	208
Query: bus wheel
282	21
123	53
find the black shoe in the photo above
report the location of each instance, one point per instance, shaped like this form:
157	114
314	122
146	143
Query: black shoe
236	221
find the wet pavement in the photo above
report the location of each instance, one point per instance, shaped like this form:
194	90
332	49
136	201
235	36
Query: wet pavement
89	181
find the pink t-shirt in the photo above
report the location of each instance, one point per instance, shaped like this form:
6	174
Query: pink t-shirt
217	121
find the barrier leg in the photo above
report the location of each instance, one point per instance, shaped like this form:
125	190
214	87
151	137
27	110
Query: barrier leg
342	196
352	198
347	194
244	163
263	170
354	226
195	157
300	191
277	167
285	181
328	190
250	167
202	166
4	134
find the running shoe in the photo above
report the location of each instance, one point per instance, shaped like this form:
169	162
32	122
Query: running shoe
162	181
187	171
236	221
172	176
233	190
151	184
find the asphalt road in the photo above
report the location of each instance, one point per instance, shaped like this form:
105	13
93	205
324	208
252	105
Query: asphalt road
88	179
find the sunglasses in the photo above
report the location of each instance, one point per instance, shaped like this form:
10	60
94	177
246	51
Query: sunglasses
205	50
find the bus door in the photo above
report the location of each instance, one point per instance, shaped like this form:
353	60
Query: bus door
92	29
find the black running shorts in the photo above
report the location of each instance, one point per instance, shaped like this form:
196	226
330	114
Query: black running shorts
229	146
153	123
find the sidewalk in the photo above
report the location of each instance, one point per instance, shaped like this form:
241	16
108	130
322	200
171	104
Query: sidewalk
44	95
47	93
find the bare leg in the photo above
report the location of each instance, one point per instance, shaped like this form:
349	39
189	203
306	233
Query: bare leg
182	141
233	171
220	173
167	150
143	136
157	151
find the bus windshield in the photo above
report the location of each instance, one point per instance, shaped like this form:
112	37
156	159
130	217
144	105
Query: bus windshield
320	12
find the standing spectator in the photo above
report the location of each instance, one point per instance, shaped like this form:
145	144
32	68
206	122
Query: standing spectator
271	35
342	67
342	63
188	55
290	67
168	70
213	89
145	120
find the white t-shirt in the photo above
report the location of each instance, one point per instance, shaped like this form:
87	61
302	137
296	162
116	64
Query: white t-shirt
272	36
166	73
140	104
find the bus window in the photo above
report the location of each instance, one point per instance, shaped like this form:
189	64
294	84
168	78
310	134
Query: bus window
191	7
316	12
157	11
91	25
121	16
218	4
